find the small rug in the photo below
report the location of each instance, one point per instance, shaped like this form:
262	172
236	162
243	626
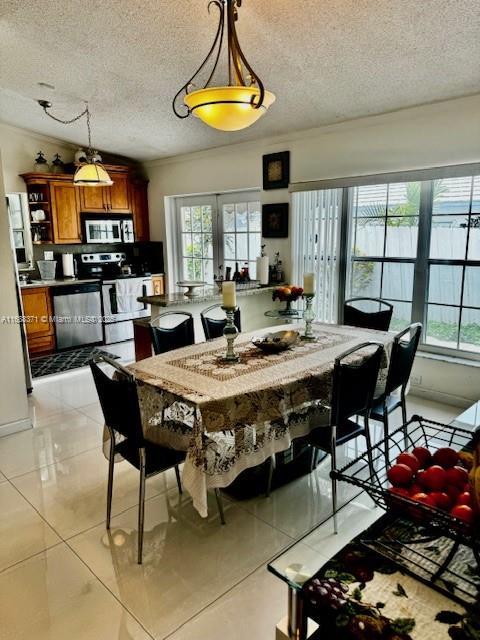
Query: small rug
66	360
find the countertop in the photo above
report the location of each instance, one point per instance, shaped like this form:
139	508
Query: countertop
207	294
56	283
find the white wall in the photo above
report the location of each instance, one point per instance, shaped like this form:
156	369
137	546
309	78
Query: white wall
428	136
19	149
13	394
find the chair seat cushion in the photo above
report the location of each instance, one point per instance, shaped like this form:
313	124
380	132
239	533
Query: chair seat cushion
320	438
392	402
157	458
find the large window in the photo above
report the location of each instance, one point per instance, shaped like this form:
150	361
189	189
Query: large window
215	232
417	244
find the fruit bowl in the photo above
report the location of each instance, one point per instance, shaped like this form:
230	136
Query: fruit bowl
428	493
276	342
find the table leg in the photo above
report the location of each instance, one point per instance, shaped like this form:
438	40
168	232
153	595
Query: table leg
297	620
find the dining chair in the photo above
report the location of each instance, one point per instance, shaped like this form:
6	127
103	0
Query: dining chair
121	411
213	327
167	338
402	357
353	387
355	317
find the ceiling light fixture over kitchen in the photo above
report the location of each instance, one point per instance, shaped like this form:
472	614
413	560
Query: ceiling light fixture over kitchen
91	173
244	100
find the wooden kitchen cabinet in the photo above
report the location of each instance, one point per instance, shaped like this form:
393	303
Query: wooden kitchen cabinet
65	207
139	199
118	195
37	309
93	199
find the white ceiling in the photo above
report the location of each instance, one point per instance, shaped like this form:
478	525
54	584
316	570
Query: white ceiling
326	60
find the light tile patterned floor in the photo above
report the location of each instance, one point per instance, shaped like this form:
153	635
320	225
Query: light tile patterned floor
199	579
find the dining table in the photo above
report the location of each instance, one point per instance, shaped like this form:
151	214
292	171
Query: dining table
231	416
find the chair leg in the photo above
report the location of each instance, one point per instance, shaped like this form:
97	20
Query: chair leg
179	482
218	498
313	457
385	435
404	417
141	506
271	468
333	459
111	465
369	446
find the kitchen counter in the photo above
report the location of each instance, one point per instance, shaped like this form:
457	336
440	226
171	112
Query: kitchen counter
56	283
207	294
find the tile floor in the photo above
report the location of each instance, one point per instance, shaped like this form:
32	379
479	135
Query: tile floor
63	576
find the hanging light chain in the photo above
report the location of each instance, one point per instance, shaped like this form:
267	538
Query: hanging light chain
86	112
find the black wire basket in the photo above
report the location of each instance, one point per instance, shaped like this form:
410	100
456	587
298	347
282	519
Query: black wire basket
415	433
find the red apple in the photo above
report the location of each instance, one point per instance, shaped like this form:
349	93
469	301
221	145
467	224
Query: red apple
400	475
465	498
410	460
442	500
445	457
423	455
425	499
420	478
453	492
434	478
463	512
458	476
415	488
399	491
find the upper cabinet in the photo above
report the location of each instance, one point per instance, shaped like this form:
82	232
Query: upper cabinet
62	203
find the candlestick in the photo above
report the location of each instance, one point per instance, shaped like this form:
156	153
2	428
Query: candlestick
229	294
230	332
309	317
309	284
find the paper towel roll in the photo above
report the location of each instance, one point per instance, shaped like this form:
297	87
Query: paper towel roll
67	264
262	269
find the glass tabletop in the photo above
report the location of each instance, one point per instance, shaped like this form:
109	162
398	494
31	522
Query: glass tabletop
294	314
469	419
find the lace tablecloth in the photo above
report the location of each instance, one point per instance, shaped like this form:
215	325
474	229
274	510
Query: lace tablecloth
229	417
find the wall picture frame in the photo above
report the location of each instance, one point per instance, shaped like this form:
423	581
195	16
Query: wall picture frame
275	220
276	170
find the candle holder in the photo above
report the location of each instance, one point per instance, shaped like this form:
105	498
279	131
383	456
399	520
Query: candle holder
309	317
230	332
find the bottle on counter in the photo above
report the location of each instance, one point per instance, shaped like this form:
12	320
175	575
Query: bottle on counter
228	273
245	273
236	275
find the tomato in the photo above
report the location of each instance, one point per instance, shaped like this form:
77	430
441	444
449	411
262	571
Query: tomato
399	491
458	476
425	498
400	475
419	478
434	478
423	455
445	457
465	498
453	492
415	488
442	500
410	460
462	512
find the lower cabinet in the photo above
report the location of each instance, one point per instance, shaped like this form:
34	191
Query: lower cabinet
37	309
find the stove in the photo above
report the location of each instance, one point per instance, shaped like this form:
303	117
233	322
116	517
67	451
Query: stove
119	292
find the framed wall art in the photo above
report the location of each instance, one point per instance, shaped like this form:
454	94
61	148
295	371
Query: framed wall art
276	170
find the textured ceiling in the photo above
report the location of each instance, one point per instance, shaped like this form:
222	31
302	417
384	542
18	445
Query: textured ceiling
326	60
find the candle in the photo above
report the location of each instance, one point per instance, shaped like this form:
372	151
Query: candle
229	294
309	284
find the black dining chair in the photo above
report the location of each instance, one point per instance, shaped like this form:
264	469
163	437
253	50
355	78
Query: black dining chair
168	338
121	411
213	327
379	319
353	388
404	349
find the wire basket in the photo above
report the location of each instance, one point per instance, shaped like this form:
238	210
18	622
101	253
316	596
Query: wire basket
240	286
415	433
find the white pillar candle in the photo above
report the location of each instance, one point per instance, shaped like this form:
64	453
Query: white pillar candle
229	294
262	269
309	284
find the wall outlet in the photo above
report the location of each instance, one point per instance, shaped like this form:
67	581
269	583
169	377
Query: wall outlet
416	380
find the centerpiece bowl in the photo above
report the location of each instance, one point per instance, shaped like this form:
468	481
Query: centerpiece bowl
276	342
191	286
289	293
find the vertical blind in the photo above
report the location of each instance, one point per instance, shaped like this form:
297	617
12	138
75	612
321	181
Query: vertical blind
316	230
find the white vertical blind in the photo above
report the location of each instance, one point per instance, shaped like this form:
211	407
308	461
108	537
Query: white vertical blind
315	241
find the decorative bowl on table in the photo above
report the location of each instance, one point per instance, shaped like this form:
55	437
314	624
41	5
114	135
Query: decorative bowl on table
289	293
192	287
276	342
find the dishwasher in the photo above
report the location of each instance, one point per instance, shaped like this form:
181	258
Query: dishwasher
78	314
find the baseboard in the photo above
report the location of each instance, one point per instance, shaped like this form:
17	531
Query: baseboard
440	396
14	427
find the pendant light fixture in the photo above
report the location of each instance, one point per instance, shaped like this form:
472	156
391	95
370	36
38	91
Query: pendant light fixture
91	173
244	100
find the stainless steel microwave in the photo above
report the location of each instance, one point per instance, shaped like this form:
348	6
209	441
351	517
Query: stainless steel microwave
108	230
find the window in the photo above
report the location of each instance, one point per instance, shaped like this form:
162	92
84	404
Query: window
417	245
18	213
215	232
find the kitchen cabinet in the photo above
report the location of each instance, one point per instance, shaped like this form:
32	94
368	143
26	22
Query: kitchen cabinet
113	199
37	309
92	199
139	200
65	208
